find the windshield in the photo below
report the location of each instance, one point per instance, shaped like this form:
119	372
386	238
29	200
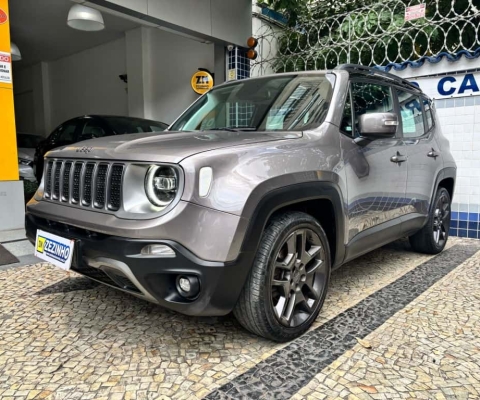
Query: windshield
27	141
284	103
123	125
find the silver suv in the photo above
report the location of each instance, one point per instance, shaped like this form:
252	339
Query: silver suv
253	196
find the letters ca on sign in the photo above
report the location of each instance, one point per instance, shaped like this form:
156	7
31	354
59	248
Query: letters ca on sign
450	85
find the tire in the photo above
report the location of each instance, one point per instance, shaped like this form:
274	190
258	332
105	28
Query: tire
282	276
432	238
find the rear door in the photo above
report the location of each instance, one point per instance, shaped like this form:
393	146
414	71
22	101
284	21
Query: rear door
424	158
376	172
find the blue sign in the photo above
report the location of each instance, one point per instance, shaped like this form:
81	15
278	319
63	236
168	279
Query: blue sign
450	85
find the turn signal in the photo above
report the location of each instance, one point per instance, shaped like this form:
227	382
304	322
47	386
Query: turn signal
252	42
251	52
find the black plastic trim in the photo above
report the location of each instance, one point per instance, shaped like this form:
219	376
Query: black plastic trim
445	173
290	195
219	282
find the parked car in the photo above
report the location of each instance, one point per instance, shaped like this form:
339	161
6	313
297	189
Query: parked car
26	144
253	196
90	127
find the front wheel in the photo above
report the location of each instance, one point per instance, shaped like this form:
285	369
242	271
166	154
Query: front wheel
432	238
288	282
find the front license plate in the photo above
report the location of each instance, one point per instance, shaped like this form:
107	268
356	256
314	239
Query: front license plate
54	249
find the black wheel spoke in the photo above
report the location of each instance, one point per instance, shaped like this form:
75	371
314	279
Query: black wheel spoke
287	263
303	255
280	307
292	244
283	285
312	291
441	219
289	309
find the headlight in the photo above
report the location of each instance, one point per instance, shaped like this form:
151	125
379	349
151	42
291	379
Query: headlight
24	161
161	185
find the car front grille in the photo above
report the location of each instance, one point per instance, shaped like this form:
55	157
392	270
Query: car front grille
87	184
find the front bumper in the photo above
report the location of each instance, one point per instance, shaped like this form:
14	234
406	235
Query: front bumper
118	262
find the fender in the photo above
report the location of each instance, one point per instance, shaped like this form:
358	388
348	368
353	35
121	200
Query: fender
448	172
286	196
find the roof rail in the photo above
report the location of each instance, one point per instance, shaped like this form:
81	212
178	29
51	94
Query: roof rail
374	71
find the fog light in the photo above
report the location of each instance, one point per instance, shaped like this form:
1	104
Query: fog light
184	284
188	286
158	250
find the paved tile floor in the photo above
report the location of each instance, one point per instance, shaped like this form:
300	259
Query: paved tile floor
17	244
65	337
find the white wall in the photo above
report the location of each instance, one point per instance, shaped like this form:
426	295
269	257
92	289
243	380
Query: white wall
214	20
268	32
173	60
88	83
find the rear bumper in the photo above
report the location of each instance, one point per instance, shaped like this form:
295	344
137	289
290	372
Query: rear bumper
118	262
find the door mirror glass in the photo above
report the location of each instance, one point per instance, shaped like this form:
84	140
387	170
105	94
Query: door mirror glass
378	125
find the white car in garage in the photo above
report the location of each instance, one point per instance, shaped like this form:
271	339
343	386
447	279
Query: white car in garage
26	144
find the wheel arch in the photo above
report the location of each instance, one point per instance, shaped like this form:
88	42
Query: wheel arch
446	178
322	200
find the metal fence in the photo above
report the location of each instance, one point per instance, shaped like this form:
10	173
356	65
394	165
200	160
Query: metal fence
376	34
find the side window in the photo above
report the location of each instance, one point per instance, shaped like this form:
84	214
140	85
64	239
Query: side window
427	107
92	129
65	134
369	98
347	119
412	114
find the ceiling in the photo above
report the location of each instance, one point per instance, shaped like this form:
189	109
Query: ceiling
39	29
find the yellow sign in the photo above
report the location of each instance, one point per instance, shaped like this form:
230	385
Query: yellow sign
8	151
40	244
202	82
232	74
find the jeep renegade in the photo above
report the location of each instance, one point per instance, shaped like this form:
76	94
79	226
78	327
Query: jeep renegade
252	196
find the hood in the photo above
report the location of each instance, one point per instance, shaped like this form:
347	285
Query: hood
26	153
169	147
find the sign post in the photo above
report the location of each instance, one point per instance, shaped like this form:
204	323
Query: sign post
8	157
12	205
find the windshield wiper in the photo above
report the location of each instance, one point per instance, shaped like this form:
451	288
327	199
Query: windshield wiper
233	128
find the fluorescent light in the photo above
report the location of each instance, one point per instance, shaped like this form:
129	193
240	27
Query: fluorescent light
16	55
85	18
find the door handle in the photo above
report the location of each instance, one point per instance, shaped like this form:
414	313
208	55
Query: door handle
432	153
398	158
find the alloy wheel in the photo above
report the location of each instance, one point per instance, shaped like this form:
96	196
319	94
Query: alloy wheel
441	220
299	277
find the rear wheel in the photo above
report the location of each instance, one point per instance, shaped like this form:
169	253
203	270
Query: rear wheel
432	238
288	282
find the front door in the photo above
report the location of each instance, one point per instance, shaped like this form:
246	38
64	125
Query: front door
376	173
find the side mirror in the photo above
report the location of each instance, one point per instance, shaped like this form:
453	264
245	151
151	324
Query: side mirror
378	125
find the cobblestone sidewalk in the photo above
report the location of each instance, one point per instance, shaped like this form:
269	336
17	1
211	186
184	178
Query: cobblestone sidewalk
65	337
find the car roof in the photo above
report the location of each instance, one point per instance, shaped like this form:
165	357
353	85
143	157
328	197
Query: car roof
352	69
